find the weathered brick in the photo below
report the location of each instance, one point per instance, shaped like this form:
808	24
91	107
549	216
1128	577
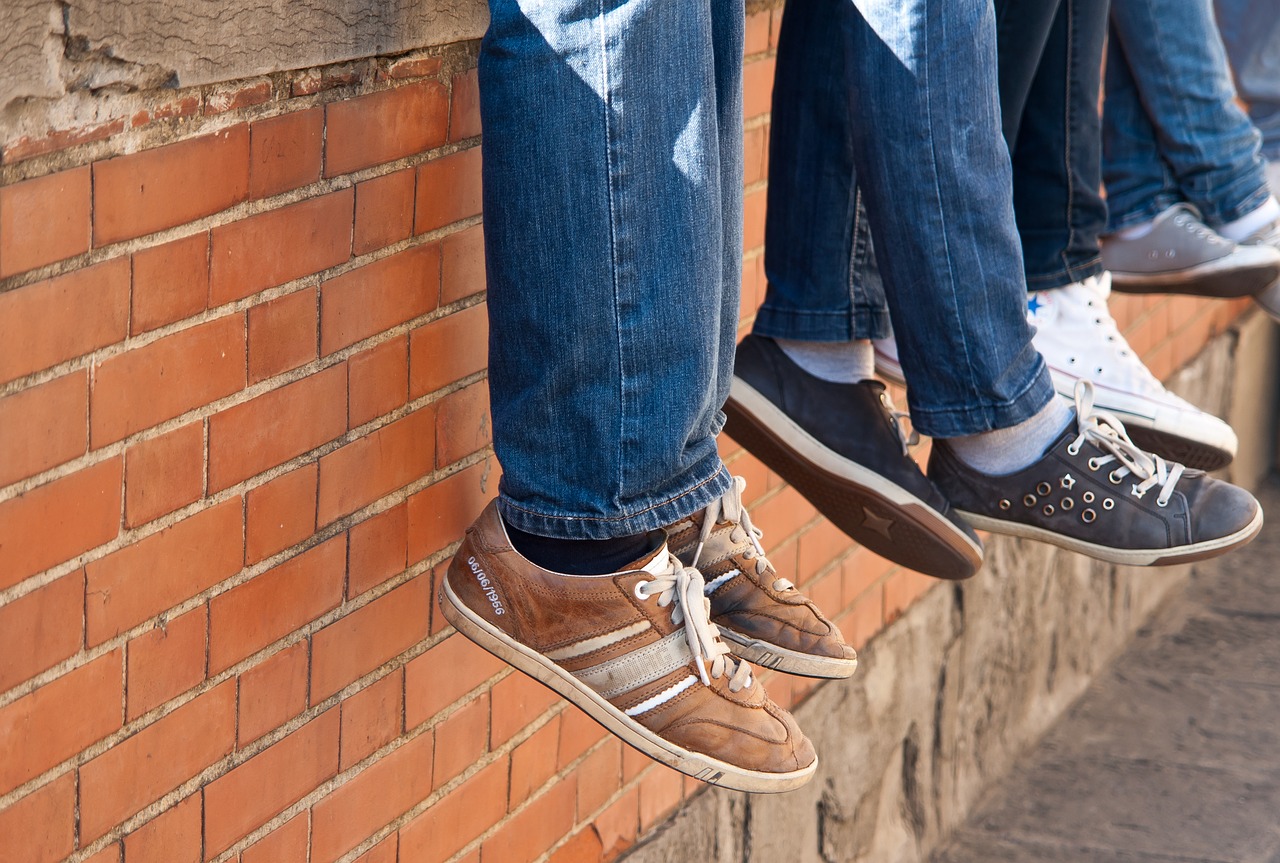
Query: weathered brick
141	580
237	95
282	334
168	377
448	349
272	692
378	548
461	816
361	641
278	246
43	426
280	513
285	152
173	836
462	423
448	190
40	828
44	220
413	67
461	740
444	674
380	462
163	474
464	106
27	147
583	847
286	844
518	700
59	520
534	829
39	630
166	661
384	210
249	438
659	793
379	296
384	126
170	282
533	762
371	718
379	380
247	618
599	777
440	513
462	267
578	733
901	589
618	825
156	189
50	322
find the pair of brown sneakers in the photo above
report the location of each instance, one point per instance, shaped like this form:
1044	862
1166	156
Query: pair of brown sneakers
658	652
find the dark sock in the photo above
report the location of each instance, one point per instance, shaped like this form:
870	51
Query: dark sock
583	556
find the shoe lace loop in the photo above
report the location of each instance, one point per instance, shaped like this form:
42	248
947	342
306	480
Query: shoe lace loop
729	507
1107	433
896	419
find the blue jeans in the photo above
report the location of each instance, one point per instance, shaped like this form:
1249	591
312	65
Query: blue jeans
613	212
1251	30
1172	129
901	96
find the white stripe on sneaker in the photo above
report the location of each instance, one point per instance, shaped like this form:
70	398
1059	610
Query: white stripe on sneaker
590	645
719	580
662	697
639	667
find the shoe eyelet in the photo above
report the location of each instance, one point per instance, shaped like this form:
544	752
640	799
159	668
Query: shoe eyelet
640	592
1072	449
1108	504
1043	488
1161	503
1115	480
1029	500
1048	509
1004	504
1093	464
1088	516
1088	497
1067	504
1071	361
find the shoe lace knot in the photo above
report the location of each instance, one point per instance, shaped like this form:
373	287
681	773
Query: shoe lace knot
1105	432
729	507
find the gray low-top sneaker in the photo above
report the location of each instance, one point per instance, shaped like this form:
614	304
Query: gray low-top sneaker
1268	299
1181	255
1097	493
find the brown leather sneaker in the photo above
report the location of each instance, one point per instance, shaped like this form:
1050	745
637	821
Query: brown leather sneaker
763	617
636	651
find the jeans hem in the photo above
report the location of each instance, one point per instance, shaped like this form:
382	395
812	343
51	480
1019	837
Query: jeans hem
960	422
808	326
1251	202
1068	275
1140	215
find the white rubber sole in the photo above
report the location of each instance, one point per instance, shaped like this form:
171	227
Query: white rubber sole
532	663
768	655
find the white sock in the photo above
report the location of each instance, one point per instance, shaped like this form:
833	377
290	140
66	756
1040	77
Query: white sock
838	362
1252	222
1138	231
1008	450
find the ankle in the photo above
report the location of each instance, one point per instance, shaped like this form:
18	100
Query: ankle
837	362
582	556
1008	450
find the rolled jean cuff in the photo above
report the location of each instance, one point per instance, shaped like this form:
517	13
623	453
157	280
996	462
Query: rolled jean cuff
970	420
1118	221
713	480
806	326
1254	197
1068	273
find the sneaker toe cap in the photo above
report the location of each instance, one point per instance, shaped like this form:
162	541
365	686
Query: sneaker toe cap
1221	510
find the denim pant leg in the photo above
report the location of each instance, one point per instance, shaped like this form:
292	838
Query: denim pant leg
1251	31
612	193
1179	70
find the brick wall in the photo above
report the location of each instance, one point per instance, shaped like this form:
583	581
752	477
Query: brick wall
243	421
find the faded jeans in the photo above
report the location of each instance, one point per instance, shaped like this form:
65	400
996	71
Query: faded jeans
1251	30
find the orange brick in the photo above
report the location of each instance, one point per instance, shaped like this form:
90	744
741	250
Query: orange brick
578	733
753	212
533	830
448	190
384	126
414	67
533	762
249	795
903	588
59	520
379	296
157	759
599	777
461	816
464	108
384	852
517	701
754	142
380	462
110	854
462	424
272	692
247	618
50	322
278	246
141	580
618	825
444	674
757	33
166	661
44	220
168	377
440	513
43	426
40	828
229	97
462	264
170	282
371	718
378	549
280	513
163	474
861	573
282	334
365	802
284	152
384	210
757	87
378	380
39	630
438	622
583	847
285	844
659	794
171	837
169	186
781	516
461	740
864	620
364	639
249	438
448	349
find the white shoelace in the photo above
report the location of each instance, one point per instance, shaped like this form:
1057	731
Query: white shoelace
730	508
896	419
1105	431
682	587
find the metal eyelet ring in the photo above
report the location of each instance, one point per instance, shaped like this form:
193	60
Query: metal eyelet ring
1048	509
640	592
1067	503
1115	480
1004	504
1161	503
1088	516
1029	500
1093	464
1108	504
1072	449
1043	488
1088	497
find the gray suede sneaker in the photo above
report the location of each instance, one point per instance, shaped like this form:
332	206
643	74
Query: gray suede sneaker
1269	298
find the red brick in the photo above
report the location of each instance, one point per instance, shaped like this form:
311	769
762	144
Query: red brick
163	474
464	109
444	674
39	630
371	718
517	701
278	246
754	143
157	759
599	777
284	152
280	513
249	438
44	220
388	788
169	186
141	580
440	513
533	762
166	378
384	852
618	825
170	282
272	692
228	98
533	830
40	828
448	190
43	426
414	67
171	837
361	641
384	210
583	847
282	334
247	618
110	854
378	549
379	296
462	423
461	740
458	818
50	322
308	83
59	520
448	349
285	844
753	212
379	380
384	126
757	87
376	464
27	147
462	264
166	661
578	733
781	516
280	775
